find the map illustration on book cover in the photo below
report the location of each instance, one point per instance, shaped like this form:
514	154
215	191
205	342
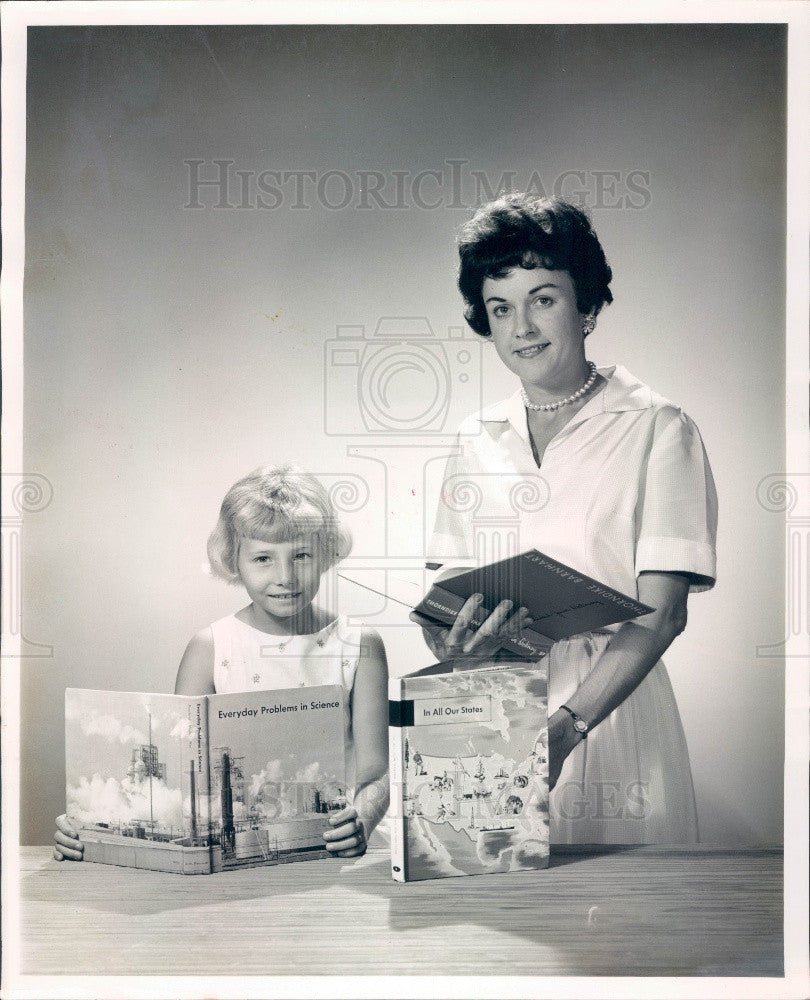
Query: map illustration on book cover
196	785
469	772
561	601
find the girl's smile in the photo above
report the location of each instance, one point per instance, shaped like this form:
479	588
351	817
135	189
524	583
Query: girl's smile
282	580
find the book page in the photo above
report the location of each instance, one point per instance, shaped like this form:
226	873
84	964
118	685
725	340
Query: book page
137	778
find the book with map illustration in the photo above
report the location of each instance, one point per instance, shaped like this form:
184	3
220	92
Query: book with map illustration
202	784
469	772
560	600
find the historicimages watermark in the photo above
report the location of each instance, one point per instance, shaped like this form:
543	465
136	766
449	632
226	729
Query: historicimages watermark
224	184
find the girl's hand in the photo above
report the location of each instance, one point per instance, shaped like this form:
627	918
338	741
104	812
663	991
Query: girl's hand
347	838
463	641
66	843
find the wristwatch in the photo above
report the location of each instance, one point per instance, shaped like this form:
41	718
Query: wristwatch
580	725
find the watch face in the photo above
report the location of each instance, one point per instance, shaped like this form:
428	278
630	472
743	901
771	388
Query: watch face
580	725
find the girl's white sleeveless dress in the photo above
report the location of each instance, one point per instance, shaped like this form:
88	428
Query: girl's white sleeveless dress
246	659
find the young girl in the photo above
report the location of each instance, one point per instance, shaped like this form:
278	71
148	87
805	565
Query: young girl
278	535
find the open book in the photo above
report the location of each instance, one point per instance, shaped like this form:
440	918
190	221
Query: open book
561	601
201	784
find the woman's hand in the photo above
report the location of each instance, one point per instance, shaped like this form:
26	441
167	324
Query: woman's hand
629	656
347	838
66	843
562	739
463	640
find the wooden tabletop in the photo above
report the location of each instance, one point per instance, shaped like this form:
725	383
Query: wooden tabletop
635	911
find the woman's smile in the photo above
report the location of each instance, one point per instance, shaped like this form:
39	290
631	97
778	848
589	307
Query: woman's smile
536	328
531	351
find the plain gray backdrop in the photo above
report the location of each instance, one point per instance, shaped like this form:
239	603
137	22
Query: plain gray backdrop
169	349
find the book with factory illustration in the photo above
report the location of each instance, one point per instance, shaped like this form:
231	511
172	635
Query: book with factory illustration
201	784
469	772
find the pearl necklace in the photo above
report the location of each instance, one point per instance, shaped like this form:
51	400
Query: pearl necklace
584	388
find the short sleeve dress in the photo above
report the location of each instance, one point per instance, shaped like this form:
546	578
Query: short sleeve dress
624	487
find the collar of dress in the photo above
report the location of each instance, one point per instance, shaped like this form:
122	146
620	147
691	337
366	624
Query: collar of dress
622	392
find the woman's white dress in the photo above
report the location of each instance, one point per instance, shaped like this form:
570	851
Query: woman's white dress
623	488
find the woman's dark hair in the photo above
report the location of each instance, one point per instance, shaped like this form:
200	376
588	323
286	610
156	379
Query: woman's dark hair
522	230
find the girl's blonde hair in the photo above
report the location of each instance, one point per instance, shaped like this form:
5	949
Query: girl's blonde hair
275	504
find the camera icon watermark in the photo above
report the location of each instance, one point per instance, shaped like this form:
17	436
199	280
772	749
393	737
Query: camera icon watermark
400	379
481	513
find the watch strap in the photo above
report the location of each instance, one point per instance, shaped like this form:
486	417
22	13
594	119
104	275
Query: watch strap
580	724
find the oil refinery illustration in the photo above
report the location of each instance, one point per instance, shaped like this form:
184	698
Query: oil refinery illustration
262	820
186	784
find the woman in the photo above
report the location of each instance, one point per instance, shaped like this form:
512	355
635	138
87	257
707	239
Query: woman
628	498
